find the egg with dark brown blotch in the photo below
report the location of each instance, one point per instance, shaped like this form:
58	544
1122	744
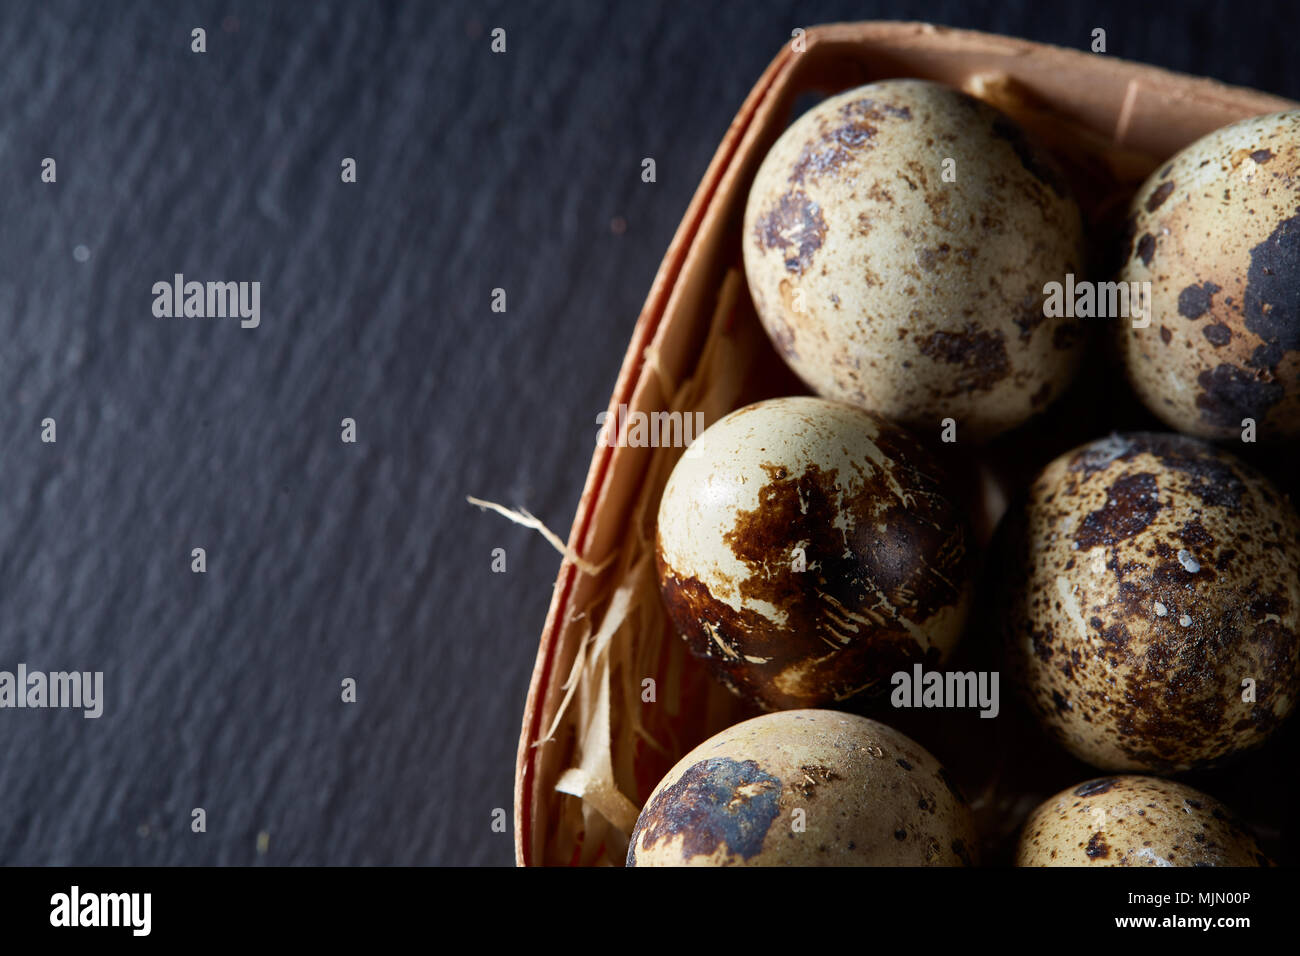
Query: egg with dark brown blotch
807	550
1216	232
1153	603
805	788
1135	821
897	240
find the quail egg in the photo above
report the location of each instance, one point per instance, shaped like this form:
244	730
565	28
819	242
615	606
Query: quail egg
805	788
1216	232
1153	603
897	242
807	550
1135	821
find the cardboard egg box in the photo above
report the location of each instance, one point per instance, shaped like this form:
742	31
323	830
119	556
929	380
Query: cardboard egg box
592	747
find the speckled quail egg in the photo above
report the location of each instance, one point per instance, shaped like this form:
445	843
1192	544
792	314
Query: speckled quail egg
897	241
1217	234
807	550
1135	821
805	788
1153	603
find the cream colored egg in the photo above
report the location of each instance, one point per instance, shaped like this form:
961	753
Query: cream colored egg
1135	821
897	241
805	788
1153	603
1216	233
807	550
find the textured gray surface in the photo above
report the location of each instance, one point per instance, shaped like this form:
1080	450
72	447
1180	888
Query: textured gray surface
329	560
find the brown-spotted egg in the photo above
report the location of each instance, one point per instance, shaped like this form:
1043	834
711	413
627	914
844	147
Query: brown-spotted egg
1153	603
807	550
1135	821
1216	232
805	788
897	241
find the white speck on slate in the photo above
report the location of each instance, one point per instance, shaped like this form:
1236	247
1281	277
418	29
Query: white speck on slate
81	254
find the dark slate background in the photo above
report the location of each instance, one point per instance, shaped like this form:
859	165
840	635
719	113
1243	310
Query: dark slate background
328	560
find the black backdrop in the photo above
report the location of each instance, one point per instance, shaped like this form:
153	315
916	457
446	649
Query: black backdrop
328	560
